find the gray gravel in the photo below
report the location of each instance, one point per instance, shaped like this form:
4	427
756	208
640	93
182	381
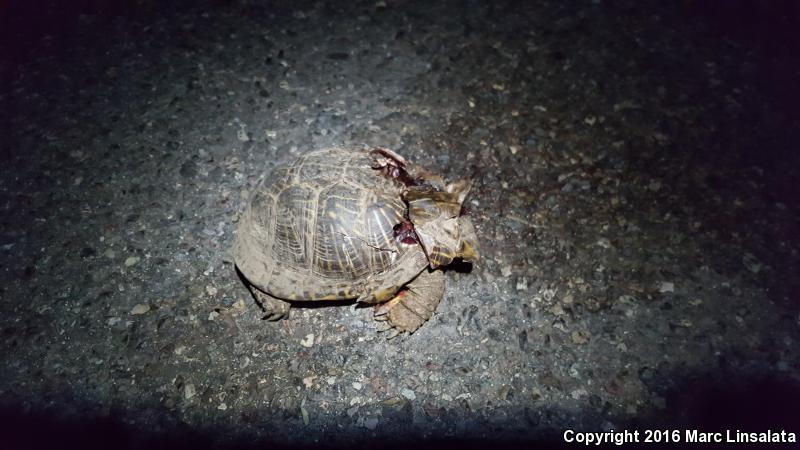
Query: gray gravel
635	195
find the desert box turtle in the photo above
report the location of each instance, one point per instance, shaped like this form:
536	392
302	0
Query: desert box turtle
347	223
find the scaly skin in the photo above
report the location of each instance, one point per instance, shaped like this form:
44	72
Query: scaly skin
414	305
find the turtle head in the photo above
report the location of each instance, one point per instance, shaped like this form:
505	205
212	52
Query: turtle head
443	231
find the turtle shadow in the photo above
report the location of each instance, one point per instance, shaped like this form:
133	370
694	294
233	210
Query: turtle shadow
302	304
313	304
458	265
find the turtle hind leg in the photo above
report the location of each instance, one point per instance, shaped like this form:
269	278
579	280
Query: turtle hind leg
413	305
274	308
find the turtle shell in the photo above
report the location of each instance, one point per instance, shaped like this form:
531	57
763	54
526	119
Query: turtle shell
321	227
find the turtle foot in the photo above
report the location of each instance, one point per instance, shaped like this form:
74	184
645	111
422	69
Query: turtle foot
412	306
274	308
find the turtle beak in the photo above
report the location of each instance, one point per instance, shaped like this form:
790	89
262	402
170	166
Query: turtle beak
467	252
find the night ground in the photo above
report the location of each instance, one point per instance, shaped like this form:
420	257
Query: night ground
635	195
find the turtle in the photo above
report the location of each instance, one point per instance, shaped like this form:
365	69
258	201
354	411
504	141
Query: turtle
344	223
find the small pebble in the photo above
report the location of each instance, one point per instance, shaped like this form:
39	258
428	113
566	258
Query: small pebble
189	391
580	337
140	309
131	261
308	341
241	134
666	286
578	393
556	310
504	392
408	393
751	263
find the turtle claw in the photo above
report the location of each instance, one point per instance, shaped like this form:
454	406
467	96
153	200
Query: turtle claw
273	317
385	326
382	309
392	334
275	309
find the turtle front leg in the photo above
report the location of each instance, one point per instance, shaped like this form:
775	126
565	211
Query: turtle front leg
275	308
413	305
